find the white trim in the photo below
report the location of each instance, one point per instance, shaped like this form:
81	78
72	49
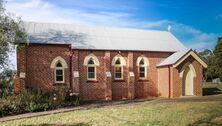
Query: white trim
195	56
188	64
87	58
56	60
121	72
122	63
122	60
63	74
146	61
94	72
145	71
86	63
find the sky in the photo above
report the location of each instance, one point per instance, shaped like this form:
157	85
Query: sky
196	23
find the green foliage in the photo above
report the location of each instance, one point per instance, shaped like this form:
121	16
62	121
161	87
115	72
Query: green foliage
218	52
218	57
6	82
208	56
11	33
214	61
35	100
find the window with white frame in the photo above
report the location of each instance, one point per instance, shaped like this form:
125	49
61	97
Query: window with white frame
59	65
91	70
142	64
118	69
91	62
142	69
59	73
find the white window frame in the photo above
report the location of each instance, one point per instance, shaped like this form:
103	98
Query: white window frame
63	74
121	66
145	70
53	66
145	65
90	65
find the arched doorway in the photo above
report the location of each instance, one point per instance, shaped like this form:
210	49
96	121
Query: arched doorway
188	80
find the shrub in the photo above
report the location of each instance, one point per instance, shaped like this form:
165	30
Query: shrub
34	100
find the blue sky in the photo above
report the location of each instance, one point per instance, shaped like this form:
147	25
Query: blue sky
197	23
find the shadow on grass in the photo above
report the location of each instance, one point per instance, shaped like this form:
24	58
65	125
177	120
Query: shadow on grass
46	124
211	91
205	122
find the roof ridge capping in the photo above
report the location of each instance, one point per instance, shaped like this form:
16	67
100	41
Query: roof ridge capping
178	57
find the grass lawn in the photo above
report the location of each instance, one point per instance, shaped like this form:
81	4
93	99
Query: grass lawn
161	113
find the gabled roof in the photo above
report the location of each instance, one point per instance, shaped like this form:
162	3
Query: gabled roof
104	38
178	57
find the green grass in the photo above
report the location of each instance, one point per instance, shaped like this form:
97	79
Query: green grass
163	113
142	114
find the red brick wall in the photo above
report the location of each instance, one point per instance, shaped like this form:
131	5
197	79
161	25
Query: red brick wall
148	87
39	74
39	58
19	83
163	81
92	90
177	80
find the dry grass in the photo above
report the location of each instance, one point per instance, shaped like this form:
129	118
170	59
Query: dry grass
149	114
163	113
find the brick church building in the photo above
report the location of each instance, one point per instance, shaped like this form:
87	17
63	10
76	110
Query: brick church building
103	63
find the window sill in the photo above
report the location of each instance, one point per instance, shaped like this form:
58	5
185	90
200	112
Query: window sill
92	81
143	80
59	83
119	81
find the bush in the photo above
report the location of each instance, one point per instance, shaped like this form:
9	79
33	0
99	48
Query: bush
35	100
6	82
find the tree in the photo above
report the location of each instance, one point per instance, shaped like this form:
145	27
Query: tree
6	81
208	56
218	57
11	33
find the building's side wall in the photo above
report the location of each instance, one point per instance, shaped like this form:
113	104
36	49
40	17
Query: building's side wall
163	81
38	61
177	83
39	74
19	82
130	87
148	87
92	90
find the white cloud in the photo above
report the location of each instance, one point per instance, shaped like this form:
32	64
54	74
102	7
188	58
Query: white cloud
195	38
42	11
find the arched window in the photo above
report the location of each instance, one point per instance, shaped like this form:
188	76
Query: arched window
91	70
59	65
118	70
91	61
142	69
118	62
59	73
142	63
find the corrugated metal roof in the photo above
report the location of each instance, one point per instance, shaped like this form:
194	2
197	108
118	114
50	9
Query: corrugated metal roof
106	38
172	59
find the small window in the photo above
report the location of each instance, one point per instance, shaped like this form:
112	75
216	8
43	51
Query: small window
59	73
142	69
91	70
118	62
141	62
118	70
